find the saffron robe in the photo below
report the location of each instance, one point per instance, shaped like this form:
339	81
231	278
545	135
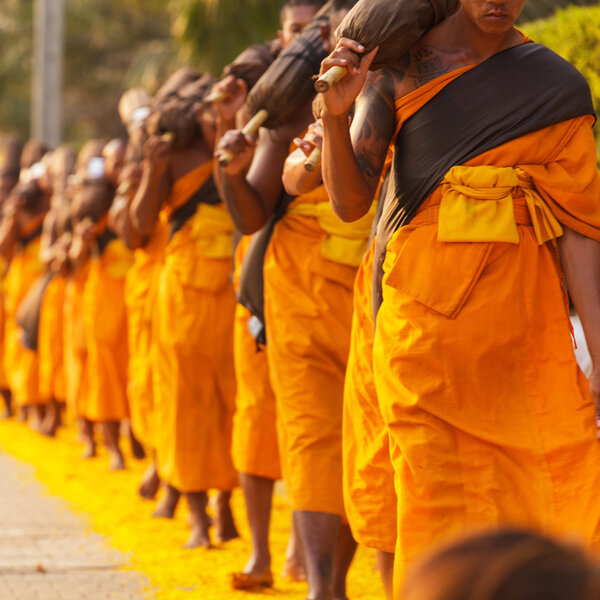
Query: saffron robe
141	287
255	446
369	494
50	341
308	311
74	342
194	385
489	416
21	363
105	321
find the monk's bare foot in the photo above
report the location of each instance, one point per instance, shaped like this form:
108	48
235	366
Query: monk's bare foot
7	399
89	450
293	569
150	483
117	462
251	580
22	413
225	528
198	538
165	509
51	420
137	450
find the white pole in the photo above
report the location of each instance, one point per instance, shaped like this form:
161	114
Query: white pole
46	117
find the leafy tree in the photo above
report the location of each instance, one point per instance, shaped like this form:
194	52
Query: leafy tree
574	33
213	32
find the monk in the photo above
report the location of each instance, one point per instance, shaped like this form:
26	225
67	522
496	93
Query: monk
255	448
20	233
194	384
490	420
140	298
53	255
10	154
307	268
103	308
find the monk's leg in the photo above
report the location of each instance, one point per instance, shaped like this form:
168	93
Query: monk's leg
7	400
36	413
86	435
344	553
22	413
165	509
51	419
225	528
258	495
385	562
137	450
319	533
110	431
294	567
199	521
150	483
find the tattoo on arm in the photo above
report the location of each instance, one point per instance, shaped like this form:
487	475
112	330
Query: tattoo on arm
377	121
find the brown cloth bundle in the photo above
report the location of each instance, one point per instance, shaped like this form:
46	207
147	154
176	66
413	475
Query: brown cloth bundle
28	313
175	114
253	62
393	25
288	83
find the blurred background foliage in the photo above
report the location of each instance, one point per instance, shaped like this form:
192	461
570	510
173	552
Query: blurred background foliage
111	45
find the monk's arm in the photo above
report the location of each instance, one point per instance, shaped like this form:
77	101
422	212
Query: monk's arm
296	179
251	198
9	234
353	158
154	189
119	220
580	258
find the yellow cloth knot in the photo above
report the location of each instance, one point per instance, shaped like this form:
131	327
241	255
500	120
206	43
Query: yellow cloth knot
212	227
477	206
344	243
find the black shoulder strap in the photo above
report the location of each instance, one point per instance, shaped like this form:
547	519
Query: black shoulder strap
104	239
251	293
514	92
207	194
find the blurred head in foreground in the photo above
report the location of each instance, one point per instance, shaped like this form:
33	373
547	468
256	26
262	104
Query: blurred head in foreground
509	564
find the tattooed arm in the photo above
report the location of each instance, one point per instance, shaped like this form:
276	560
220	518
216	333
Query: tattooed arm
353	158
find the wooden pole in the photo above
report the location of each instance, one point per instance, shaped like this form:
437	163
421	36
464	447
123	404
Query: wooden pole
46	117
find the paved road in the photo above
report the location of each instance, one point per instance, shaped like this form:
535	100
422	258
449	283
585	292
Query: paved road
46	552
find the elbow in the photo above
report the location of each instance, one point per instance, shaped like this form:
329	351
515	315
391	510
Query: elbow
350	212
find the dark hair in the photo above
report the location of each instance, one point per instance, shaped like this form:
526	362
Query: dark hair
293	3
509	564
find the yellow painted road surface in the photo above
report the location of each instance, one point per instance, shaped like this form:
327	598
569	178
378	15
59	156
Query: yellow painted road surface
154	546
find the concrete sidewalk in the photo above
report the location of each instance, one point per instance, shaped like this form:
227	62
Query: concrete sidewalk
46	552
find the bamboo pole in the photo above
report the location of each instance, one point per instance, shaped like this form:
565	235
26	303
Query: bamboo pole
330	78
313	160
251	127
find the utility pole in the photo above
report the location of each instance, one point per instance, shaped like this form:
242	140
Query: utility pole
46	116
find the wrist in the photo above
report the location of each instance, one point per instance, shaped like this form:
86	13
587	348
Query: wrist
335	118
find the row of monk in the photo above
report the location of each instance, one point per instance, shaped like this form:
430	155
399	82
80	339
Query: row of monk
400	350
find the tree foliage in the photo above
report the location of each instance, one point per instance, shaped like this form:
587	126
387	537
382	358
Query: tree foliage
213	32
574	33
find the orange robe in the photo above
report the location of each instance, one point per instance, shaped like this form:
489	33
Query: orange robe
308	278
106	334
194	391
369	494
4	384
21	364
489	416
254	448
50	341
74	342
141	287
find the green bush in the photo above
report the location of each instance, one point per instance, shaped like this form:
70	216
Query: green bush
574	33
